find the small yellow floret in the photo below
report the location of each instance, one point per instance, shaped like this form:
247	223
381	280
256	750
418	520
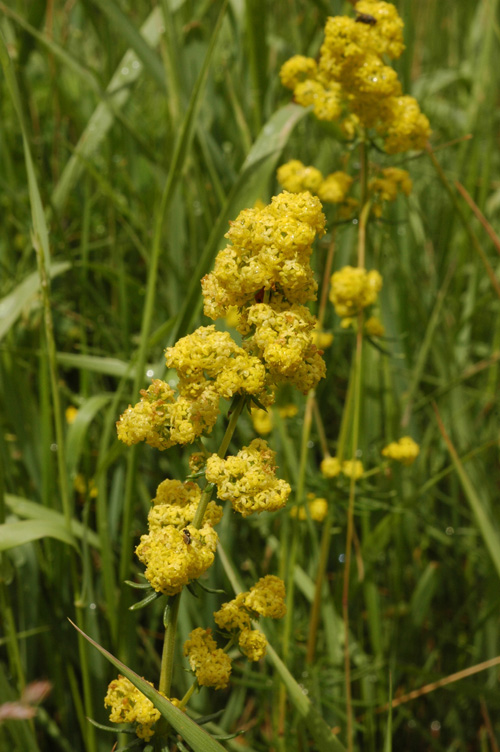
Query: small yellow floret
262	421
211	664
330	467
253	644
335	187
267	597
405	450
353	468
353	288
374	327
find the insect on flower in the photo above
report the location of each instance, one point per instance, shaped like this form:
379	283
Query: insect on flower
366	19
186	536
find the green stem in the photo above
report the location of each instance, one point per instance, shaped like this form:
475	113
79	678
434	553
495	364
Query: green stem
350	530
209	488
172	609
290	580
167	657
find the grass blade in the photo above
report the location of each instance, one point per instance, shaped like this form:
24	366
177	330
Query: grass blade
188	729
118	92
485	524
14	534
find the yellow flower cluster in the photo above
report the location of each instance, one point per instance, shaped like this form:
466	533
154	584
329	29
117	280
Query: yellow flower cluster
265	598
211	359
173	557
331	467
283	339
318	509
162	420
296	177
211	664
270	251
175	504
405	450
351	77
262	279
129	705
386	188
210	365
248	480
353	288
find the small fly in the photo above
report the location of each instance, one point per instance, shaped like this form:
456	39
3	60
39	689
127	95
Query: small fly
186	535
366	19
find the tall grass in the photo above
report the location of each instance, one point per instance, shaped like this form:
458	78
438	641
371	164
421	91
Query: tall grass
134	143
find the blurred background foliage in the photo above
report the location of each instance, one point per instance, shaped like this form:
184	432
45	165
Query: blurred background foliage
106	92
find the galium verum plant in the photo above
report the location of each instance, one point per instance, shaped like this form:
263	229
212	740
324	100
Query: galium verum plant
263	281
264	277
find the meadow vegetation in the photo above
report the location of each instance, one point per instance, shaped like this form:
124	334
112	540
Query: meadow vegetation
131	135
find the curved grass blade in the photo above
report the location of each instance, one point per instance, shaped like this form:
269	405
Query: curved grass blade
30	510
126	29
78	430
193	734
488	530
318	728
12	304
118	92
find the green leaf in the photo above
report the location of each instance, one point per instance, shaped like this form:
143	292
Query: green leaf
78	429
31	510
193	734
14	534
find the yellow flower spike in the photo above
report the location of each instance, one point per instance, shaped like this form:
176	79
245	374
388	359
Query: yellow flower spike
297	69
405	450
352	469
330	467
318	509
270	250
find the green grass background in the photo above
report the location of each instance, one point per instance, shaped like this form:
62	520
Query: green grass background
141	157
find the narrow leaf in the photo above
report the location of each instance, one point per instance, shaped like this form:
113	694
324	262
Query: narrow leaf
193	734
22	296
37	512
14	534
